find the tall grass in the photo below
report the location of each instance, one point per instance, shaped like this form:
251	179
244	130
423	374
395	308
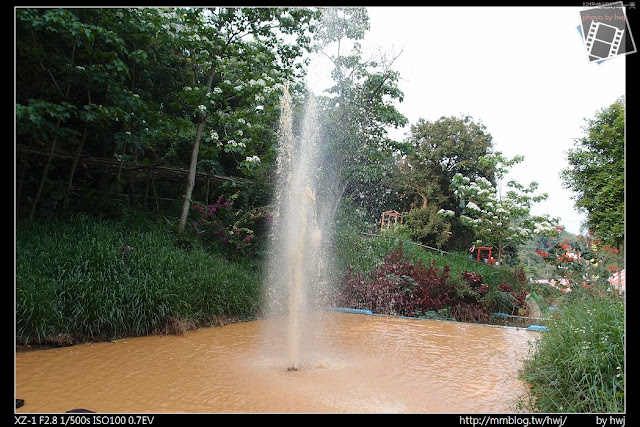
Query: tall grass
578	365
101	279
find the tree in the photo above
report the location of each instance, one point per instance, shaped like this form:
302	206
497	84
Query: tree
438	150
97	82
432	154
225	40
597	174
357	111
426	226
495	219
79	64
141	85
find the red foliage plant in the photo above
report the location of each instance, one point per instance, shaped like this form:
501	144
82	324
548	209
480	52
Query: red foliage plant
399	287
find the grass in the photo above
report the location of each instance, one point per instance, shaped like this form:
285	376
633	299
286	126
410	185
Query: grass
100	280
578	365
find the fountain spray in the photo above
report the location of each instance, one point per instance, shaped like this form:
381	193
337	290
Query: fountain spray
296	235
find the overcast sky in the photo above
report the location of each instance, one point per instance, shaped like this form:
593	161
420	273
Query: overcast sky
523	72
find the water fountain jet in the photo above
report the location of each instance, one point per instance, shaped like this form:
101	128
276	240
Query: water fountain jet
296	263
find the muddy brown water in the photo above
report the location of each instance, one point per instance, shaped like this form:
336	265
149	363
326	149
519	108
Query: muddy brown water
354	363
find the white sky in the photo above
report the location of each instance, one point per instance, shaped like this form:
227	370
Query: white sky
523	72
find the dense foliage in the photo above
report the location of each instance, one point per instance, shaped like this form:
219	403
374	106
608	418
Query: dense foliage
438	150
103	94
399	287
432	154
392	275
82	279
597	174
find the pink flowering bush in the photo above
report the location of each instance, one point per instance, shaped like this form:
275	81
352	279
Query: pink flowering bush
235	230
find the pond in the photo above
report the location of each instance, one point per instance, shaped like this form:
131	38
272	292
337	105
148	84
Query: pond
352	363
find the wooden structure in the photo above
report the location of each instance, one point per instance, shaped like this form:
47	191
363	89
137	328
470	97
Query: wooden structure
488	257
141	177
387	216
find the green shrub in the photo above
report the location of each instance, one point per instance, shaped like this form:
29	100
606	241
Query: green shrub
496	301
426	226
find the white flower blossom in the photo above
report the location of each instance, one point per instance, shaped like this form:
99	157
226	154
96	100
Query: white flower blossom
446	212
252	159
542	227
232	143
485	181
472	206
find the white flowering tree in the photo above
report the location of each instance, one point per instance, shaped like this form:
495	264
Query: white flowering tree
239	57
500	220
172	86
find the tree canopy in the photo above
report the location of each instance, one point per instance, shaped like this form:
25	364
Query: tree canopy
597	173
150	86
432	154
437	150
357	110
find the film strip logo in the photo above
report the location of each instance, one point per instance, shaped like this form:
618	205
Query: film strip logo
603	41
